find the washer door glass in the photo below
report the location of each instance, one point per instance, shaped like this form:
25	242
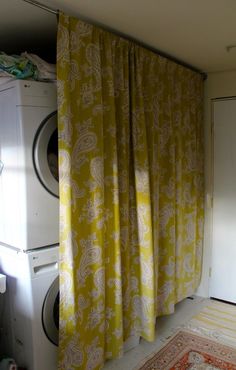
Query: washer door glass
50	312
45	154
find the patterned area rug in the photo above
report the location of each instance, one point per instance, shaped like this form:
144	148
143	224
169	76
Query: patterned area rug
188	351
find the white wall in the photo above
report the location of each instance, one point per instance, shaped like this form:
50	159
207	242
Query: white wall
217	85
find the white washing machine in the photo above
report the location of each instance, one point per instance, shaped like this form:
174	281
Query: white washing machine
31	307
29	206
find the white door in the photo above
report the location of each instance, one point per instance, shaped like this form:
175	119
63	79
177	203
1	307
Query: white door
223	273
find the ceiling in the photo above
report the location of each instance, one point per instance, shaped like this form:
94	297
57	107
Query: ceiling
197	32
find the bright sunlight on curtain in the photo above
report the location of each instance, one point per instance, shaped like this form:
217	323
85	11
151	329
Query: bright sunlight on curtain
131	190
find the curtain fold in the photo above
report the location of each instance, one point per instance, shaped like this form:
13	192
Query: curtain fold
131	190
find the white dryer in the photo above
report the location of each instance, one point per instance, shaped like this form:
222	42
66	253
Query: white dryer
31	307
29	206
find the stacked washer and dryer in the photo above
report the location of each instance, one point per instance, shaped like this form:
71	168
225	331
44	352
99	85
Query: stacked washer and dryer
29	223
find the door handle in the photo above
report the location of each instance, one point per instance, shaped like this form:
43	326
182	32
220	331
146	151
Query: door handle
1	166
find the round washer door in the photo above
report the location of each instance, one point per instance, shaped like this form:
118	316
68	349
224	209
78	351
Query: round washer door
45	154
50	312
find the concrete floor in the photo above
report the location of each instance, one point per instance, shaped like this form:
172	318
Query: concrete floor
166	326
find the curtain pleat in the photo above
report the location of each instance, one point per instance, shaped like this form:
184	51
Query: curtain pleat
131	191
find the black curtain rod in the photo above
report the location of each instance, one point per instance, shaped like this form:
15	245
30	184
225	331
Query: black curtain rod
42	6
131	39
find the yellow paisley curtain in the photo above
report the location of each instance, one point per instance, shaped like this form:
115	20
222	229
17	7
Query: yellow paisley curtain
131	190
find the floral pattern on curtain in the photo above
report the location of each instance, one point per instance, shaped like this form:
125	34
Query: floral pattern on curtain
131	190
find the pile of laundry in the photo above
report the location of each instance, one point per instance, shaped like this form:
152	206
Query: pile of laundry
26	66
